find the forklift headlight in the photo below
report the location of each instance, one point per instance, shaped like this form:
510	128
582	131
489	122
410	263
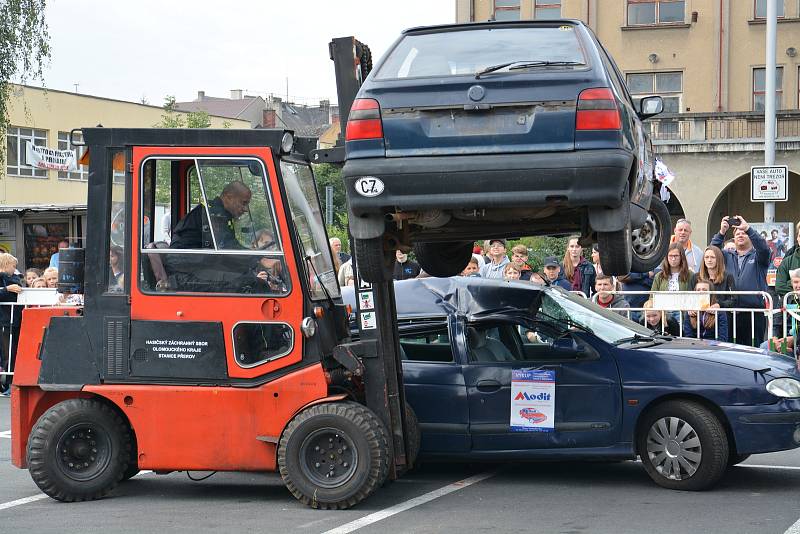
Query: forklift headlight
287	142
308	327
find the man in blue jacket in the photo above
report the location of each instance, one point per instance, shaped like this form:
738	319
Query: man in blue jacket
748	264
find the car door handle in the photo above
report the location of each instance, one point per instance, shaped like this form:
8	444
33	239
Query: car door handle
488	386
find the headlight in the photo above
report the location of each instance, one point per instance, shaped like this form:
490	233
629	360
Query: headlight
784	387
287	142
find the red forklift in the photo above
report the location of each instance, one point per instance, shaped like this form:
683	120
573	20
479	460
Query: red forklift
220	343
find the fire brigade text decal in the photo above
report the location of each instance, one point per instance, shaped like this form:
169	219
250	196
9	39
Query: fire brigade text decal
176	349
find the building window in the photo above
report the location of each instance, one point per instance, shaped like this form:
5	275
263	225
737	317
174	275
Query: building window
760	86
506	9
761	9
547	10
668	85
646	12
16	139
64	144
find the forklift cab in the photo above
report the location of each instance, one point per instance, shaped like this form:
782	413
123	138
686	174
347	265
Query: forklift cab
211	254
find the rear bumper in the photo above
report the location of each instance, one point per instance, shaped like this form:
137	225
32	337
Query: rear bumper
586	178
770	428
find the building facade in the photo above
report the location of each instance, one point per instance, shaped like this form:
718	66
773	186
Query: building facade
706	59
38	208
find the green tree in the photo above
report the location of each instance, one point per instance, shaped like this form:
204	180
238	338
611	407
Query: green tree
24	50
198	119
171	118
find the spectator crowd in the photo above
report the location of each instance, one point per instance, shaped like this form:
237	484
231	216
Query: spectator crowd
737	264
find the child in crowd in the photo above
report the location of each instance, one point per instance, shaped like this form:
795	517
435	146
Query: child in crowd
659	322
472	268
711	324
511	272
789	345
31	275
39	282
51	277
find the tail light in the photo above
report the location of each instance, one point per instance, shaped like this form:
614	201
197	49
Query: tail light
364	121
597	110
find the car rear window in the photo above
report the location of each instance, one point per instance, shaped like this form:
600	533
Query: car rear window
456	53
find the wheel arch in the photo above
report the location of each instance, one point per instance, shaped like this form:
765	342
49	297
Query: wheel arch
693	397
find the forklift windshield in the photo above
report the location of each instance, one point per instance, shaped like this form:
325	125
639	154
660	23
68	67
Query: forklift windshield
307	219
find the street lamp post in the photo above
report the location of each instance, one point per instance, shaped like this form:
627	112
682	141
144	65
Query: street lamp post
769	99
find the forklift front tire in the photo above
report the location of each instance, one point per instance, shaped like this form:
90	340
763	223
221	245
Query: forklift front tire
334	455
78	450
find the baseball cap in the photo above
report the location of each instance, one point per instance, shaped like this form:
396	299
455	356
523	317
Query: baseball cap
503	241
551	261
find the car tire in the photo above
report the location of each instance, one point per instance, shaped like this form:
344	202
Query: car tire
616	251
414	438
373	263
683	446
78	450
334	455
443	259
651	241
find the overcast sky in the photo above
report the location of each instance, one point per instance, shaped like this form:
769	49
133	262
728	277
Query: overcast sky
147	48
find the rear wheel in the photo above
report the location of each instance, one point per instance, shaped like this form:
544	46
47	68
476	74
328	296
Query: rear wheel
334	455
374	263
616	252
78	450
651	241
443	259
683	446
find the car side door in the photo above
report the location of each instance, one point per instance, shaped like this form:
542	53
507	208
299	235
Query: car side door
588	393
434	387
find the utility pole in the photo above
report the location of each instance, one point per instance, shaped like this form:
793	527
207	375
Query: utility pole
769	99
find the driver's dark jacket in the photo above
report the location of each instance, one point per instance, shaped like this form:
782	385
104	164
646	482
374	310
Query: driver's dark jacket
194	231
210	273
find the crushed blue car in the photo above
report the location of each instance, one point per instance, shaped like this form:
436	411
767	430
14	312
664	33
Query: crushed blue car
688	408
499	129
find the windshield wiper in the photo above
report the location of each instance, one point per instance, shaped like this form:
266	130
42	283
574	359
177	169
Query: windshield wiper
636	338
525	65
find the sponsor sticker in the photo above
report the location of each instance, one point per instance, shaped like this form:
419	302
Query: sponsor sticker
366	301
368	321
533	400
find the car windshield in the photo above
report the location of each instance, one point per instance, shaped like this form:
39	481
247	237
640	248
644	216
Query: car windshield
307	219
609	326
469	51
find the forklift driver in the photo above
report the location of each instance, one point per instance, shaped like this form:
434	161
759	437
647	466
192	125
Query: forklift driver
216	273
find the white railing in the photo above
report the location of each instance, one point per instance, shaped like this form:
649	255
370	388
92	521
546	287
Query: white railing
790	315
686	301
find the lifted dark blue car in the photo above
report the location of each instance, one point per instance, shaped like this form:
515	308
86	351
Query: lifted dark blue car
496	129
687	408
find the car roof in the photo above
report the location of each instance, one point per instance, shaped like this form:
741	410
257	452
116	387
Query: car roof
472	297
491	23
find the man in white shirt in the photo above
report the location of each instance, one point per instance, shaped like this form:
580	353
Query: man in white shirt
694	254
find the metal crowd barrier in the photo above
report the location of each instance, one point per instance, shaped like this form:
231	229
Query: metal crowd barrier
767	311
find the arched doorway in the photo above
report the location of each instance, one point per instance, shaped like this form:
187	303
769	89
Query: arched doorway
735	200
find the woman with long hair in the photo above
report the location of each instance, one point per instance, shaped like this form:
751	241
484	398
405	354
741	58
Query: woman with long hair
709	323
713	270
577	270
675	274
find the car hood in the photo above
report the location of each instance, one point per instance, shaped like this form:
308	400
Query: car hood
745	357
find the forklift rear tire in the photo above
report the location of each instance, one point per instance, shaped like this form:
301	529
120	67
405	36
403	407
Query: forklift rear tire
374	264
78	450
443	259
133	461
414	437
334	455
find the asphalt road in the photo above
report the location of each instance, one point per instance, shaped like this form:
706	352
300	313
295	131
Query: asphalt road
545	497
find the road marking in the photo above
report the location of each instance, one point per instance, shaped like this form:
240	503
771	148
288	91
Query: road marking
792	467
34	498
794	529
5	434
411	503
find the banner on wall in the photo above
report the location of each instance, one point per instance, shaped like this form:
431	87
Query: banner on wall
42	157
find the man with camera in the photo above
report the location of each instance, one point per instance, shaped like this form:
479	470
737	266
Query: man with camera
748	264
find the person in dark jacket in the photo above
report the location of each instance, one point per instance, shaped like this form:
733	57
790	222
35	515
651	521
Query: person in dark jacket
577	270
10	287
749	266
194	230
553	274
604	285
404	268
791	261
713	271
660	322
636	282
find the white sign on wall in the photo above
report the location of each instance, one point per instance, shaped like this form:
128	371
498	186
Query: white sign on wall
768	184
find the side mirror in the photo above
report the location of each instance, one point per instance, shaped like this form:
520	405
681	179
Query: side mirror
650	106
